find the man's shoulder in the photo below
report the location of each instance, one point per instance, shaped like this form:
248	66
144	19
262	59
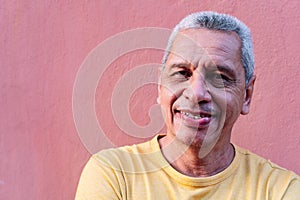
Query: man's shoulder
268	176
136	157
140	148
263	167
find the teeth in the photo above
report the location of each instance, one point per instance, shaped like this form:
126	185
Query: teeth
191	115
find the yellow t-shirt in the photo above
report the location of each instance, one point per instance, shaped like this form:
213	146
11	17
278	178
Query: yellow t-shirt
141	172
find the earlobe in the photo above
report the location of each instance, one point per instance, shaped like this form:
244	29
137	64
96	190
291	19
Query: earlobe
248	96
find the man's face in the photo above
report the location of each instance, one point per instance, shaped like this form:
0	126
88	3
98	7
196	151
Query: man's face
202	90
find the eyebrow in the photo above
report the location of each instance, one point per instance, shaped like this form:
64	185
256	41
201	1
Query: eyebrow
222	68
225	69
180	65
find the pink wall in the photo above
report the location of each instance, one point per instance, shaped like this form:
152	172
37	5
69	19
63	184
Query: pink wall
44	43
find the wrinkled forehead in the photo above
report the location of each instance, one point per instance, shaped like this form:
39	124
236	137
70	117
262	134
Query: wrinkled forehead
195	44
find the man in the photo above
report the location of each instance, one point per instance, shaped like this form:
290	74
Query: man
206	82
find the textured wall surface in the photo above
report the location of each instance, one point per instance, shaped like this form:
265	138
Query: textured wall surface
44	43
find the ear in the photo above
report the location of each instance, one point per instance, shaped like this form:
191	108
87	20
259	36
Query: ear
248	96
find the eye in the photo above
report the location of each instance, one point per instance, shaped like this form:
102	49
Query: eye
184	73
218	79
221	77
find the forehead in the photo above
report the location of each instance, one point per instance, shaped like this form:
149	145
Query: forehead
194	45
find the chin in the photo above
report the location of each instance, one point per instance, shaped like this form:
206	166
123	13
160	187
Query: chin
199	138
193	138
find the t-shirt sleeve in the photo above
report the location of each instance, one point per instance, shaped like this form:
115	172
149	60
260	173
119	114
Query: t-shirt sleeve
98	182
293	191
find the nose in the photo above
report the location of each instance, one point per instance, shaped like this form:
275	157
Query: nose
197	91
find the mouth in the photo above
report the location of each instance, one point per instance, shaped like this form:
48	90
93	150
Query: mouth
196	119
195	115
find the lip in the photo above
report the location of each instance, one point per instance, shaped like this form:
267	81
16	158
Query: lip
194	119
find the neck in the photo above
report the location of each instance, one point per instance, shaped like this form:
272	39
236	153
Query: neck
188	160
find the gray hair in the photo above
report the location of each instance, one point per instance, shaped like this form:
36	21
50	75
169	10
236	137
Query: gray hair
223	22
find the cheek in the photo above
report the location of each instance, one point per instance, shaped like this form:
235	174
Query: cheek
169	93
233	107
219	99
166	98
228	103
